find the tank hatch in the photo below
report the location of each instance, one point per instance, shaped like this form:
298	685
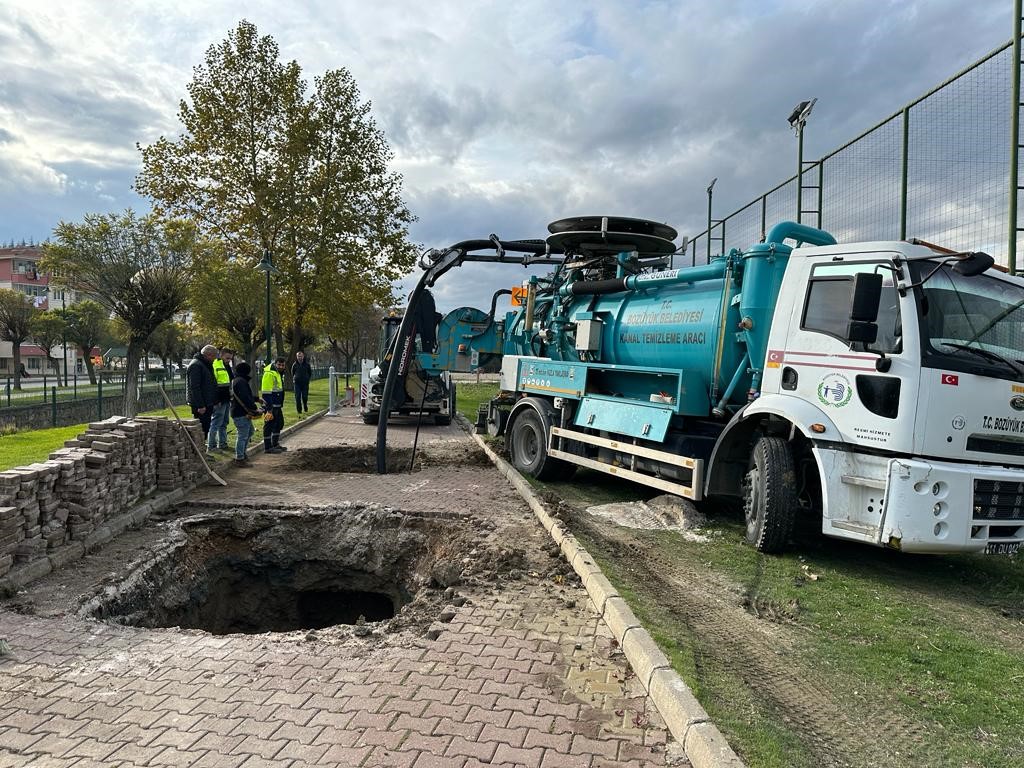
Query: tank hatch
592	235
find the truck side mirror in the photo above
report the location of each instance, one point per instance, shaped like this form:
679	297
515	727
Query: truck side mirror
867	296
862	332
973	264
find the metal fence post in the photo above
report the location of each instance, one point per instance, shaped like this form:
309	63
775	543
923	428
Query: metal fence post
7	386
99	398
53	406
904	173
75	396
331	403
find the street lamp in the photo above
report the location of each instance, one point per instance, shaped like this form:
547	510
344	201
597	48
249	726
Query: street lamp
64	330
266	265
797	121
711	188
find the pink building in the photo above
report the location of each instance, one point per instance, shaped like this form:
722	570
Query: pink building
19	271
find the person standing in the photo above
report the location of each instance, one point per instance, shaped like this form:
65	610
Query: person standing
218	438
201	387
243	410
302	372
272	392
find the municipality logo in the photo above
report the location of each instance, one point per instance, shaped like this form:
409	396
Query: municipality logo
834	390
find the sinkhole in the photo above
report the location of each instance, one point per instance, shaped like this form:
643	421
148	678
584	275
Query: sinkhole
254	571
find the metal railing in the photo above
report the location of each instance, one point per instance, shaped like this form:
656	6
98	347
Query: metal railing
936	169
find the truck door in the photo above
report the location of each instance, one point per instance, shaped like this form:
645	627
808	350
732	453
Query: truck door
870	407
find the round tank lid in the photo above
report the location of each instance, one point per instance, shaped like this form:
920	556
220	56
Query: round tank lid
611	234
620	224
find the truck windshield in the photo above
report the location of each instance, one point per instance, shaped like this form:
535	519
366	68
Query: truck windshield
971	324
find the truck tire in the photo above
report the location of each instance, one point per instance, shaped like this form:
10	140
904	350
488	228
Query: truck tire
371	418
769	502
497	420
442	420
528	449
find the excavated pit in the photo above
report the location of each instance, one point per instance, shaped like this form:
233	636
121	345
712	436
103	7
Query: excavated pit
254	571
363	459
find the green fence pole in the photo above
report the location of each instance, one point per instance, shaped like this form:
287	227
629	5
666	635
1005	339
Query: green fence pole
75	396
99	398
904	173
53	406
1011	245
8	387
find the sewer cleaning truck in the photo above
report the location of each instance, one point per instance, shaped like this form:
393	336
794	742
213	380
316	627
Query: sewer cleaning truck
429	394
878	385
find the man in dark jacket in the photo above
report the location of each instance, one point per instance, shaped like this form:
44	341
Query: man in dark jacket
244	409
201	387
301	374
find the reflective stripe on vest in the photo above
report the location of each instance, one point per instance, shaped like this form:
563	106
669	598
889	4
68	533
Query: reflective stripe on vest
220	372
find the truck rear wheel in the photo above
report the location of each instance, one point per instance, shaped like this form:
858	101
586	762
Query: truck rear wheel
528	449
769	501
371	418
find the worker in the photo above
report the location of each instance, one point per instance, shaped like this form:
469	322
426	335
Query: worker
244	410
301	374
200	386
222	374
272	392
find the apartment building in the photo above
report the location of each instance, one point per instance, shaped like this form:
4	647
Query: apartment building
19	271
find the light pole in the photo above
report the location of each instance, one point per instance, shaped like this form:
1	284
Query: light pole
266	265
797	121
711	188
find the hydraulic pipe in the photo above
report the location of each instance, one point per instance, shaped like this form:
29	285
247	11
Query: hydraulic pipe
799	232
713	271
719	409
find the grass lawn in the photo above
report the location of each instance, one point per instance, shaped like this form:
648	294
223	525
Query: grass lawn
468	397
23	448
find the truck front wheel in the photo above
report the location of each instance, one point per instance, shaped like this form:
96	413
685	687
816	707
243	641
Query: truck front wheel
769	501
527	445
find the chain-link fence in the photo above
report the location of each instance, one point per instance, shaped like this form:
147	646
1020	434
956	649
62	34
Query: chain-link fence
937	170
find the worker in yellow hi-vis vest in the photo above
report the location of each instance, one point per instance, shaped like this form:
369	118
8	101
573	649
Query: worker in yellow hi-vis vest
272	392
222	374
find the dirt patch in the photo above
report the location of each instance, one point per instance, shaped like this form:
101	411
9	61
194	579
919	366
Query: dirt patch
363	459
757	642
666	513
350	570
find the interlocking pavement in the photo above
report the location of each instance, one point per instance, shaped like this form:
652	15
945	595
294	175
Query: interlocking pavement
525	674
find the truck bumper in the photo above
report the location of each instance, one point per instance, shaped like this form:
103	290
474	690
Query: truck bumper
935	506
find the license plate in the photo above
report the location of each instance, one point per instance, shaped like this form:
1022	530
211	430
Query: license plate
1002	547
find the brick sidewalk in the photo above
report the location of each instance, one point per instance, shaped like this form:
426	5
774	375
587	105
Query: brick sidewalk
525	674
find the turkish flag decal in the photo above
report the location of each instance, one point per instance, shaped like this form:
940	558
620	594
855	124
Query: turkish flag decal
949	378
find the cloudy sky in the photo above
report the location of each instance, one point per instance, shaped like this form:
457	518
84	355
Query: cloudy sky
502	116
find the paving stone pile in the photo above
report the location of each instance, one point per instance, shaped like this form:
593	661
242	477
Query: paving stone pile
100	474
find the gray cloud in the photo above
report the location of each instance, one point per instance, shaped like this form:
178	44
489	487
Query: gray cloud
503	117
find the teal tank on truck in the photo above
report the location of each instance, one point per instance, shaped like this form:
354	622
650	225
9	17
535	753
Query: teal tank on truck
711	321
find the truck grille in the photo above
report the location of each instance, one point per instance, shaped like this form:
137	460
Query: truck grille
998	500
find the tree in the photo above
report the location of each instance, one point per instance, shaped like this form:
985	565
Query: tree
88	327
47	329
229	300
168	341
357	337
137	267
266	163
16	314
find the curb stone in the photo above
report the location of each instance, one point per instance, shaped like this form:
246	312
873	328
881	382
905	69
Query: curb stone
689	723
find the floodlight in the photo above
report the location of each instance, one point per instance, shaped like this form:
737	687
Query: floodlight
798	117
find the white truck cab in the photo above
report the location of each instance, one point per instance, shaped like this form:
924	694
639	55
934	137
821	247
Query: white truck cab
918	437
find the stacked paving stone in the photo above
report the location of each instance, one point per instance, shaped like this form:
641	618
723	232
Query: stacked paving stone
100	474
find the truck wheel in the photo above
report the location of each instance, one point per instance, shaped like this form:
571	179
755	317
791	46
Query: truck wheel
497	420
528	449
442	420
371	418
769	503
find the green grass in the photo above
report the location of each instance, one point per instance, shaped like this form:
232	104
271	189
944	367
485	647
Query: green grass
937	640
469	396
27	447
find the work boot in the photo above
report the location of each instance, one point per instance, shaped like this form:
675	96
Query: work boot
277	444
242	462
268	445
275	449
